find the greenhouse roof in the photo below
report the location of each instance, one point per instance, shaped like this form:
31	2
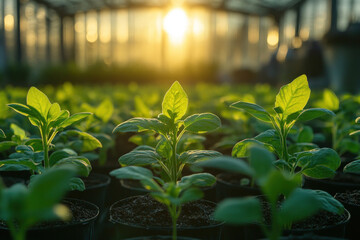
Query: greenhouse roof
256	7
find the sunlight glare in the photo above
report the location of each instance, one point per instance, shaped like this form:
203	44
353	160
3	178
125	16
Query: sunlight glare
175	24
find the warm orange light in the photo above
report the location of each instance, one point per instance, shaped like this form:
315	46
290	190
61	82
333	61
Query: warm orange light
296	42
273	38
175	24
198	27
9	22
91	29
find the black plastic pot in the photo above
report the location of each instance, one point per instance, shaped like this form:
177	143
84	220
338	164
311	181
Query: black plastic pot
225	189
352	230
78	231
131	188
330	186
94	193
125	230
254	231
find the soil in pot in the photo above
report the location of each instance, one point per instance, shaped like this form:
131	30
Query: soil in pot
351	201
323	224
161	238
80	227
144	216
342	182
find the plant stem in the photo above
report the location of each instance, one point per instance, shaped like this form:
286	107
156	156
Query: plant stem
174	164
45	148
17	234
173	214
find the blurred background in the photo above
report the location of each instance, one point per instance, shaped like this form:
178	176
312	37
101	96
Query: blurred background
159	41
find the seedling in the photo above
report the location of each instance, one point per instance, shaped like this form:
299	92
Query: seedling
50	120
22	207
289	109
354	166
297	203
171	128
172	194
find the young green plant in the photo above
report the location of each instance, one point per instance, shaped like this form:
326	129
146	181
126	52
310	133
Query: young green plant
289	109
171	127
172	194
297	203
22	207
50	120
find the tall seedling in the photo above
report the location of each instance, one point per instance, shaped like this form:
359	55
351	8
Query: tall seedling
289	109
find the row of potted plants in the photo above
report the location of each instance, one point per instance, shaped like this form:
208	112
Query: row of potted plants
268	167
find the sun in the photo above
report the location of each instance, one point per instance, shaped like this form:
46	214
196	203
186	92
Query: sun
175	24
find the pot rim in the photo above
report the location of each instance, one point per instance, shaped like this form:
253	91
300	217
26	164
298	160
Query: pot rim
327	181
106	182
167	228
219	180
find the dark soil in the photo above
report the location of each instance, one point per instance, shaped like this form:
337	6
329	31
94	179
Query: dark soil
145	211
320	220
80	213
235	179
349	197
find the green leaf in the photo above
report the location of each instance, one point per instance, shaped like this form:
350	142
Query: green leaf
175	102
294	96
28	163
2	134
357	120
261	160
85	143
46	190
202	123
79	164
331	101
193	156
239	211
327	202
18	131
6	145
132	172
105	110
61	154
164	148
140	125
319	163
54	112
63	115
305	135
190	195
38	100
74	118
20	108
271	141
353	167
312	113
279	183
198	180
301	204
253	109
241	149
76	184
139	158
227	164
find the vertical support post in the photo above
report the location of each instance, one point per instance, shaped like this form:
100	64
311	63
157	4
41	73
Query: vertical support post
298	20
18	31
334	15
48	46
2	37
62	42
